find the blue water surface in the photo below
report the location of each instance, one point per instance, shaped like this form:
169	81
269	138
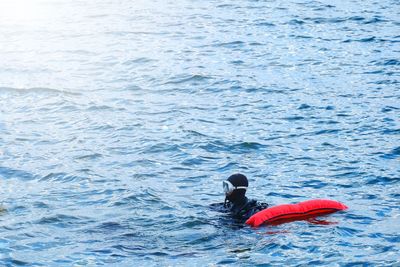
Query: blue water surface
119	120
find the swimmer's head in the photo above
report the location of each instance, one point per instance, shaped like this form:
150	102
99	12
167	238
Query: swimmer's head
235	187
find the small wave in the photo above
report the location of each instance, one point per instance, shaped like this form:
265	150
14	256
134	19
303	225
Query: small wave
101	107
316	184
329	108
319	20
284	195
161	147
391	131
41	205
237	62
186	79
9	261
131	87
392	238
304	106
328	131
395	153
227	166
374	72
219	146
60	220
388	109
36	90
225	6
248	146
124	33
329	122
9	173
90	156
347	231
61	177
301	36
233	44
388	81
349	174
295	22
387	62
193	161
145	196
327	144
132	249
195	133
385	180
357	19
265	24
362	40
140	60
111	226
255	44
294	118
375	20
192	222
78	52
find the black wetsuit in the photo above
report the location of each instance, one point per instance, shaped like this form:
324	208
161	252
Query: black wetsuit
246	209
241	210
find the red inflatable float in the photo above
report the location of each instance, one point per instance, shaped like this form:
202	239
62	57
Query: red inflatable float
292	212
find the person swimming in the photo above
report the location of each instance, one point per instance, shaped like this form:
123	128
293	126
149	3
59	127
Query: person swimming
236	203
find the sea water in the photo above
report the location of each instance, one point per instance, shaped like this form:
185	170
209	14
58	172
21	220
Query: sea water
119	120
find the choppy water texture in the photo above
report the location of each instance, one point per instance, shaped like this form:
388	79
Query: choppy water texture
120	119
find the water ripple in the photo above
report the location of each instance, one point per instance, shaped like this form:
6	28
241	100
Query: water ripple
119	120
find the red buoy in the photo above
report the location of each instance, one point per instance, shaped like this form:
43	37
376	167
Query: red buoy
290	212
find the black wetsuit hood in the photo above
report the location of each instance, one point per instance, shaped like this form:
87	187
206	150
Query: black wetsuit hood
237	197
